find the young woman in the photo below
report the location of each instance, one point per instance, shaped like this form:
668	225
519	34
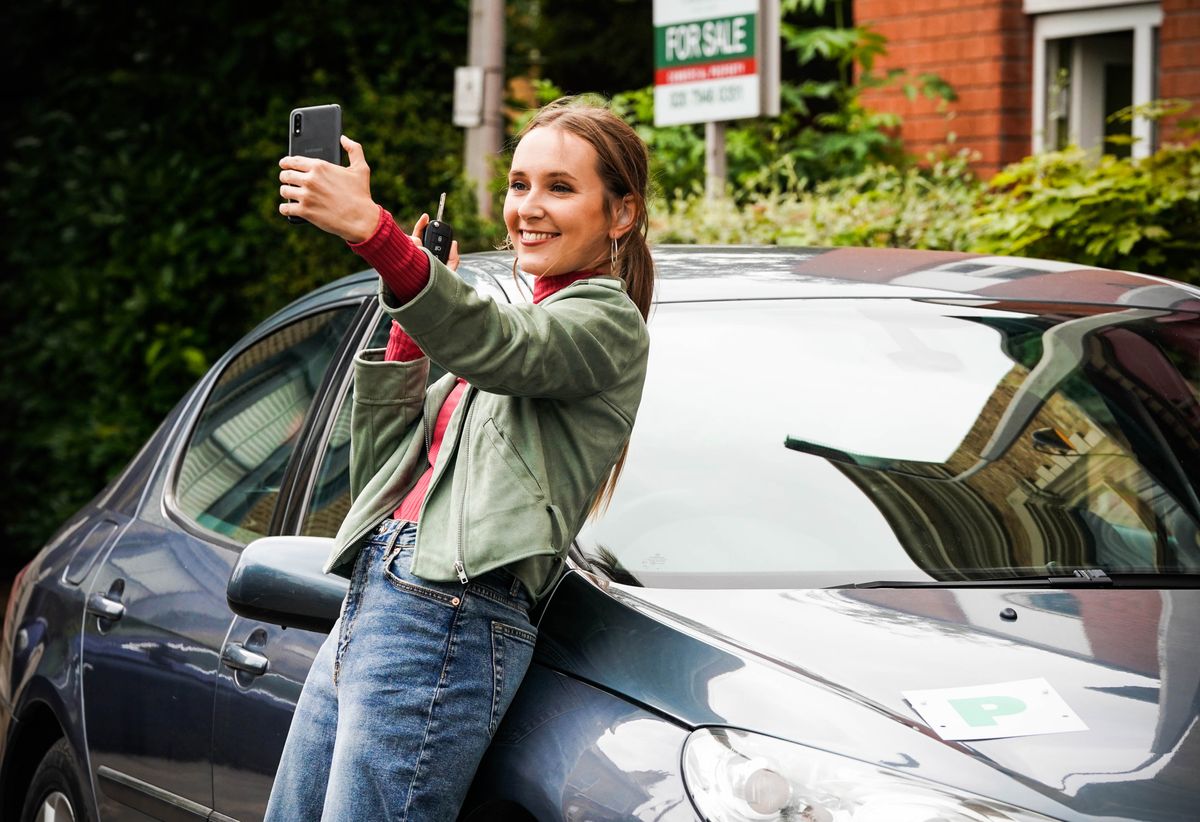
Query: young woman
466	494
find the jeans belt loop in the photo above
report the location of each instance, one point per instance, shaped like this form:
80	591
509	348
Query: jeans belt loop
390	548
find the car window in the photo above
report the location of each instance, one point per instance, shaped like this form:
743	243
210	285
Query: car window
228	480
814	442
330	498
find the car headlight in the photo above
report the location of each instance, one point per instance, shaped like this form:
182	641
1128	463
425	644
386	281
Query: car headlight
735	776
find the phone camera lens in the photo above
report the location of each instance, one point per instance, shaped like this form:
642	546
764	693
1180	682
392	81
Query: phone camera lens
296	124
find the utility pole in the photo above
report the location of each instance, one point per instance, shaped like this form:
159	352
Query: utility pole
485	50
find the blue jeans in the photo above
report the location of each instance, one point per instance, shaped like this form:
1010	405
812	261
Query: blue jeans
405	694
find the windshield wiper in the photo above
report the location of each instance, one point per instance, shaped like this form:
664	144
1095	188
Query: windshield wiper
1081	578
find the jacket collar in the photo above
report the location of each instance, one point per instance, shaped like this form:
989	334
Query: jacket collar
543	287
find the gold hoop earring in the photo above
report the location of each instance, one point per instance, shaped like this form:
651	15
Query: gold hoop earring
612	259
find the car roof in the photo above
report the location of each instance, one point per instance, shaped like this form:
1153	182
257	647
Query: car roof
690	273
703	273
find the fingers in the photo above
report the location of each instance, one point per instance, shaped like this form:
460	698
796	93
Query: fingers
330	196
418	232
299	163
354	151
453	259
292	187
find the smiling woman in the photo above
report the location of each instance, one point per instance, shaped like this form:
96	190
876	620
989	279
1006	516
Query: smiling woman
570	167
551	213
455	562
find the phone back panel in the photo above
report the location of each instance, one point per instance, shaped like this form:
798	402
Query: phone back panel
320	132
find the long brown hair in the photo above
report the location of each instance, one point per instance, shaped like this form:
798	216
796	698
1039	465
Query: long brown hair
624	165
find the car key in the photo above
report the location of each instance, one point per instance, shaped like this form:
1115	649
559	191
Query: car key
439	234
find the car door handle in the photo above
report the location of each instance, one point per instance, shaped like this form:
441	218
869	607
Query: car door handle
237	657
105	607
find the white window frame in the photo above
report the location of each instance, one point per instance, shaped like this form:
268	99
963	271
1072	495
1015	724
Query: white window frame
1141	19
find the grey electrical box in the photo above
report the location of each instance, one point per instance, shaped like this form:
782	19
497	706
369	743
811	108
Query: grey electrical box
468	96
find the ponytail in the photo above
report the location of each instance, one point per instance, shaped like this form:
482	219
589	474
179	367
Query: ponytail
636	267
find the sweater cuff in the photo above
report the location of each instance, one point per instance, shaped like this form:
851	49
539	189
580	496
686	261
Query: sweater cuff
401	347
401	265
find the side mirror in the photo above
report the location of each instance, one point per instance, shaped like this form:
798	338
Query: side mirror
279	580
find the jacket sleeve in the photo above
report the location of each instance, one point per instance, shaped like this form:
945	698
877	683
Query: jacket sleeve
388	398
578	343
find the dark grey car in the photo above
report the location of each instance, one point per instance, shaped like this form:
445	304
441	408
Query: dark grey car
865	486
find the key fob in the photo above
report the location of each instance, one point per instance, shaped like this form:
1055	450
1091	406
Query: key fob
437	238
438	234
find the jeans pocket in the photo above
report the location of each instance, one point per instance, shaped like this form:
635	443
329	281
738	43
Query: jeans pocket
512	650
396	571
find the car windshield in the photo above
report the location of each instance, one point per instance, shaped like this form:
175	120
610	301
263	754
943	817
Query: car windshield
808	443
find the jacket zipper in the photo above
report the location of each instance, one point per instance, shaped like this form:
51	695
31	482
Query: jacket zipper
428	436
460	567
468	395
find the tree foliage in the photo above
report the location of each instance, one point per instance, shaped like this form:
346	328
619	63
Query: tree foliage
139	199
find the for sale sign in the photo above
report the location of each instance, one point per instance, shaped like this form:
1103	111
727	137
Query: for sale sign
706	61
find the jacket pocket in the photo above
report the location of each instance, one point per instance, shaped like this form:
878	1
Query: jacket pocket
512	458
502	512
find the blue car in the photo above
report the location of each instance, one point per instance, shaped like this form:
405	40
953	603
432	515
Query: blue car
902	535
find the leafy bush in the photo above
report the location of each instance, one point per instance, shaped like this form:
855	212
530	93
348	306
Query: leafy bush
1117	213
1064	205
883	205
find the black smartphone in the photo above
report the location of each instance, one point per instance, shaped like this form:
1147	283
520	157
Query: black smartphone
315	131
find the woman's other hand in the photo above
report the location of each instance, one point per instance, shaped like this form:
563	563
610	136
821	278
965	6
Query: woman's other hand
334	198
419	231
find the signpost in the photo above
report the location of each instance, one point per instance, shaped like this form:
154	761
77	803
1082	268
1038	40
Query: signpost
715	60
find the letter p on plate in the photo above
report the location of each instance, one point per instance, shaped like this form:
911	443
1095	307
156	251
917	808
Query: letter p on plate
999	709
981	711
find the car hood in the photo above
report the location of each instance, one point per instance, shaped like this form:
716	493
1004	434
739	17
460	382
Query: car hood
829	668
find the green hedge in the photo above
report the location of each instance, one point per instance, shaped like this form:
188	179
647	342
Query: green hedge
1115	213
882	206
1067	205
139	199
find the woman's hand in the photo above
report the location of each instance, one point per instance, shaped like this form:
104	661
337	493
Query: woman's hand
419	231
334	198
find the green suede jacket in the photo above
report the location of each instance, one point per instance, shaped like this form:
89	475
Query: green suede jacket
553	389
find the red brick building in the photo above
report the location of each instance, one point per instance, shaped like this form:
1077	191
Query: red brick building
1036	74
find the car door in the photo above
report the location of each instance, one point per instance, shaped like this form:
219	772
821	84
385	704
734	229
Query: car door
254	707
156	612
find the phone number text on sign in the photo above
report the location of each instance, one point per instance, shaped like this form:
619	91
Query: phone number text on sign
724	100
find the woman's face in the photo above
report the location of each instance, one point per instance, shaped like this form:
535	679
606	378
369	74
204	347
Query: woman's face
556	210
